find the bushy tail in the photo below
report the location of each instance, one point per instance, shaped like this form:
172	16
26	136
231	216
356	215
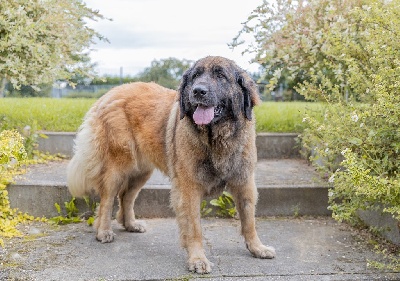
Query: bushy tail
76	177
83	166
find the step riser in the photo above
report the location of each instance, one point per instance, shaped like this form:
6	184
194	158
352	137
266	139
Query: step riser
155	203
269	145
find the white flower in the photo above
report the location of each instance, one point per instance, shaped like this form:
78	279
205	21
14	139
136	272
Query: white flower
332	178
327	150
365	7
344	151
305	119
354	117
361	125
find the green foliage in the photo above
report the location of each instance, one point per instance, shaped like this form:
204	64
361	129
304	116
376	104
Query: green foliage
393	261
204	209
166	72
31	136
367	134
12	155
318	43
345	53
28	91
225	205
93	205
41	41
72	213
71	216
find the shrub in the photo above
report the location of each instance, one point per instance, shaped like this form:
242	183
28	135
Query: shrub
363	130
12	154
346	54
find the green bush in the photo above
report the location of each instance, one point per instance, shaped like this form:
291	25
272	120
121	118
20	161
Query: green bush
346	55
12	154
364	128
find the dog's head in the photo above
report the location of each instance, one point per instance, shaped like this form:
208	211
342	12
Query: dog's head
215	89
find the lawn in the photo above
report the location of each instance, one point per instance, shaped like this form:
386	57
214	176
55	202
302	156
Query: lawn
66	114
284	116
61	115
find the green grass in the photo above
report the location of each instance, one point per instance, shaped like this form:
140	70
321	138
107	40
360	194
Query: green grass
283	117
65	115
60	115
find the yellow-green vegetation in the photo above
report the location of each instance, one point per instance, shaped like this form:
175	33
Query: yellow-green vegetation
284	117
13	158
48	114
12	155
66	115
225	205
346	55
72	213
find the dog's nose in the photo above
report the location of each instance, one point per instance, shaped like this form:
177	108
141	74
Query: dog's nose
200	90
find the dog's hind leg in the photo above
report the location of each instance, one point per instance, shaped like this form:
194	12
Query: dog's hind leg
111	183
126	199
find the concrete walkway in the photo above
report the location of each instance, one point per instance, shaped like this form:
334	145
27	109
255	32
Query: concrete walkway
307	249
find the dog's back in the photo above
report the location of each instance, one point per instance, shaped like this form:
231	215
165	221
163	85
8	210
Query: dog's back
119	138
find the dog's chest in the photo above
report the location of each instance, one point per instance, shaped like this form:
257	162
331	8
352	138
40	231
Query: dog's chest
215	172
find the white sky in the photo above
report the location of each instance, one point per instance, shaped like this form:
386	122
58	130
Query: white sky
144	30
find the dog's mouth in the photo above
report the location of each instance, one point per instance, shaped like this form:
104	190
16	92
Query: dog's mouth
218	110
203	115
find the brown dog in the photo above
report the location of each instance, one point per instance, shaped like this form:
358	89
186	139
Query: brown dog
202	137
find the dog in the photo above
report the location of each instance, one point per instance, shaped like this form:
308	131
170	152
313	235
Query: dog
201	136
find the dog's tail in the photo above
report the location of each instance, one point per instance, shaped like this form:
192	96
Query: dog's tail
83	166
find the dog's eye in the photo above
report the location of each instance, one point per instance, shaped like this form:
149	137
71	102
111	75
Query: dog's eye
220	75
195	75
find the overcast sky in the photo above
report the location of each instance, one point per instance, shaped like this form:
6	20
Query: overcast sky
144	30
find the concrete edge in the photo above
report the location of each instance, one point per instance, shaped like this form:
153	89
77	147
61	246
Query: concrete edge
154	201
269	145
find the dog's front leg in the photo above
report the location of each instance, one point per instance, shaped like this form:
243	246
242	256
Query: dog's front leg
245	198
186	203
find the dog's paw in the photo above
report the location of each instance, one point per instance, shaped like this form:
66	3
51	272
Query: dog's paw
105	236
135	227
262	252
200	265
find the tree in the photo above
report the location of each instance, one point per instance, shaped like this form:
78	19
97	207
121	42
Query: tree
44	40
300	39
166	72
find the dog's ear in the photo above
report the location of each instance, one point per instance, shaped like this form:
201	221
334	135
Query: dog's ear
250	93
181	91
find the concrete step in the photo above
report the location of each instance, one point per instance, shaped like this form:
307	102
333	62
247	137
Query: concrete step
269	145
286	187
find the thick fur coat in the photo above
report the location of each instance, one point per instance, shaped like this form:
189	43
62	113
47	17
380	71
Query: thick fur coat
202	136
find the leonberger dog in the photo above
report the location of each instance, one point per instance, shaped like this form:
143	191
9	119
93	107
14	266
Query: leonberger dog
201	136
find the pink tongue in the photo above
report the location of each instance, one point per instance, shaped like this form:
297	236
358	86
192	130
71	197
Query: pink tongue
203	115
